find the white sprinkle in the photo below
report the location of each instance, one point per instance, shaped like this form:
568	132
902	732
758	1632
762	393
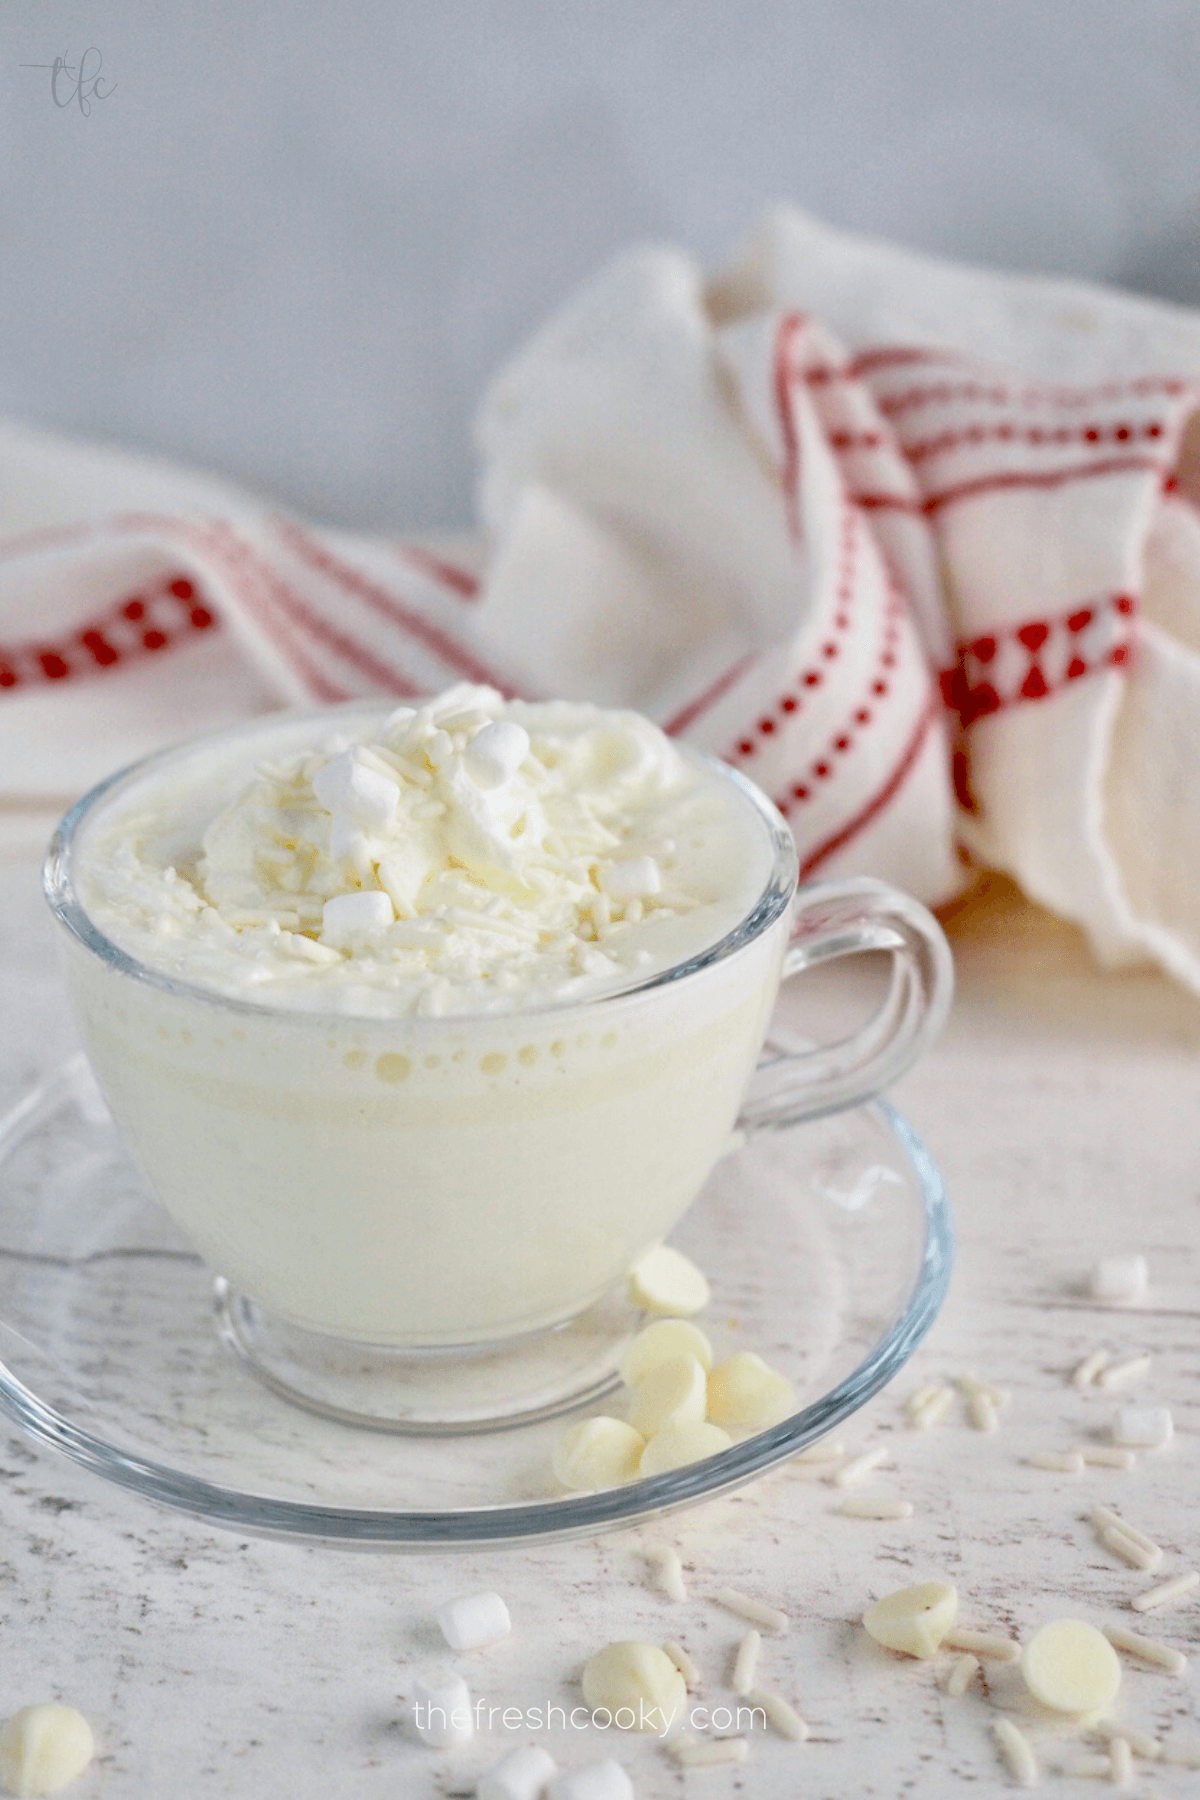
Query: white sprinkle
686	1665
669	1570
1128	1549
693	1753
1120	1279
1144	1427
1161	1655
1167	1593
1140	1742
1124	1373
472	1620
962	1670
983	1643
934	1410
1089	1368
971	1386
780	1714
745	1663
867	1506
1182	1756
824	1451
860	1466
921	1398
981	1411
1095	1766
1107	1456
1061	1462
1121	1772
1018	1752
747	1607
1104	1515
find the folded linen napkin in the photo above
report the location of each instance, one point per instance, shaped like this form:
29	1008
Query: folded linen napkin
911	544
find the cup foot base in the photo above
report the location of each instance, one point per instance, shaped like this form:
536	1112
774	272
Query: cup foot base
456	1391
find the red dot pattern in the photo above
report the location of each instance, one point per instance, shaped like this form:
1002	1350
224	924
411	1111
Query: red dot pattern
154	619
972	690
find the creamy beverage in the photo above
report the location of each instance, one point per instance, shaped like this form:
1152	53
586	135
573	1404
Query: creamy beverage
425	1022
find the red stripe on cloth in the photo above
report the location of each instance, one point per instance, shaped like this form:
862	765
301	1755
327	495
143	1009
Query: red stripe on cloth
1048	478
687	715
1002	393
458	580
970	436
789	330
389	606
878	801
897	356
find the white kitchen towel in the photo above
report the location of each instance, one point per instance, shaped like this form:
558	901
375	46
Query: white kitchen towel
913	545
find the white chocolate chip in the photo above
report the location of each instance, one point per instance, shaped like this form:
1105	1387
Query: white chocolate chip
599	1453
605	1780
666	1281
1120	1279
496	753
1143	1427
634	879
745	1393
472	1620
42	1748
680	1442
913	1620
673	1391
442	1707
521	1776
635	1679
1071	1667
347	915
666	1337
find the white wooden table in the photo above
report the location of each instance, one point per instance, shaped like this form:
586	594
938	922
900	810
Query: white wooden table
1064	1108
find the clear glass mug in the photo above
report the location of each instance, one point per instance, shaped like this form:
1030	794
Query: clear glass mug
391	1204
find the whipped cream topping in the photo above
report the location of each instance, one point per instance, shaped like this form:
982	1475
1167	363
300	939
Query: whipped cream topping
467	855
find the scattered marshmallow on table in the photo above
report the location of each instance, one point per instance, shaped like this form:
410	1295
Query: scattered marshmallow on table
746	1393
657	1342
599	1453
682	1441
521	1776
1119	1278
605	1780
472	1620
1071	1667
638	1679
913	1620
1143	1427
42	1748
674	1390
442	1691
668	1282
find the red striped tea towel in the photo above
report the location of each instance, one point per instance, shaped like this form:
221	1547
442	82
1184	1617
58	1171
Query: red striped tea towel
910	544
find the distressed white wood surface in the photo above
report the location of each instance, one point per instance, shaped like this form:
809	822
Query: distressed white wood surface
1064	1108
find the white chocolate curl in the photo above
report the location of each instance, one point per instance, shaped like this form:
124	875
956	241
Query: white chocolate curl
42	1748
638	1679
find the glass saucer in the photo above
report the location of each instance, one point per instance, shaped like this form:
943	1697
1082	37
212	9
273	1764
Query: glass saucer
828	1245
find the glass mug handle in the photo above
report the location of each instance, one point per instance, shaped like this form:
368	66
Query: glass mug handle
842	918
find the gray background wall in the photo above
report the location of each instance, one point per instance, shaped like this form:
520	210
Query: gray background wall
293	240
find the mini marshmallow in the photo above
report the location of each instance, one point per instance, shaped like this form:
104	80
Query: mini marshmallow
472	1620
496	753
680	1442
521	1776
639	1679
667	1337
668	1282
1071	1667
674	1390
42	1748
348	915
347	785
1143	1427
634	879
913	1620
599	1453
605	1780
1119	1278
746	1394
443	1698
